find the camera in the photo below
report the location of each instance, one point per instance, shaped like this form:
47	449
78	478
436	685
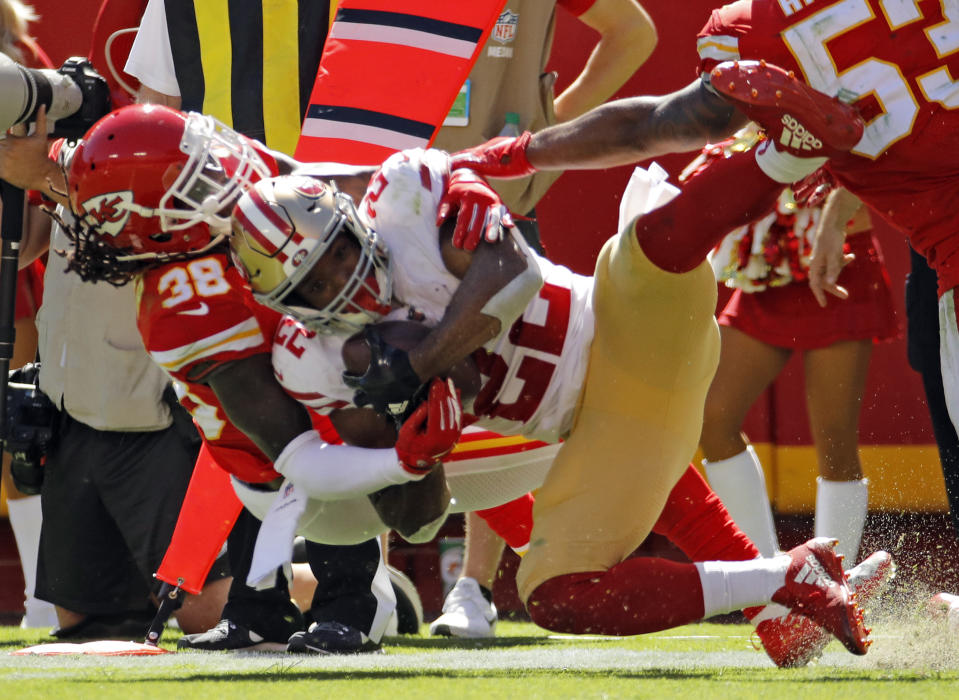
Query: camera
31	418
75	96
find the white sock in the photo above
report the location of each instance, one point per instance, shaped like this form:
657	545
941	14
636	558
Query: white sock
25	520
741	485
785	167
841	508
734	585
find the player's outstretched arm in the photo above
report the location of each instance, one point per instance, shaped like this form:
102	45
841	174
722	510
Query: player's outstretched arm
616	133
635	129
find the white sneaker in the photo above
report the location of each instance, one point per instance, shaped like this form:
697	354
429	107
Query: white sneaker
945	606
38	613
466	613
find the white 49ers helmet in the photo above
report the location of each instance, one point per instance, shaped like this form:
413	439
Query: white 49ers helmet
283	225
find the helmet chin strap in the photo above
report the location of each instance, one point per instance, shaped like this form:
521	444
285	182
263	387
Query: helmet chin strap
214	242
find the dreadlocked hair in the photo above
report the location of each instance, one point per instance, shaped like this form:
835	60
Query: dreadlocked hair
96	261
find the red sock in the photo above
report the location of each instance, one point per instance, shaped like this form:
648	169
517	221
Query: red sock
639	595
512	521
696	521
730	193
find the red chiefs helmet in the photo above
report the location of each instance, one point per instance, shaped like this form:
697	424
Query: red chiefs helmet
153	181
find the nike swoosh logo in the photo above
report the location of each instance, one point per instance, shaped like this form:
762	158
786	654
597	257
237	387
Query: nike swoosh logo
201	310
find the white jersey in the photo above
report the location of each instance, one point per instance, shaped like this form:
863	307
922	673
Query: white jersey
532	373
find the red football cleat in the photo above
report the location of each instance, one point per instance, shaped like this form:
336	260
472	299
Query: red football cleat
802	121
792	640
816	587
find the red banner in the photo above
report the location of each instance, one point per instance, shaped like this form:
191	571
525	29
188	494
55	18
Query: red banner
389	74
206	518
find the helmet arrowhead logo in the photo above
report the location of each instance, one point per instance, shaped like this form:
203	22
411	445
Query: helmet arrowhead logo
109	212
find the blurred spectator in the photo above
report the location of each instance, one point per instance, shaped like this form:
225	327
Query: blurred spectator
922	336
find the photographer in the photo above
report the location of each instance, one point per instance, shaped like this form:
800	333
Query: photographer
23	508
118	467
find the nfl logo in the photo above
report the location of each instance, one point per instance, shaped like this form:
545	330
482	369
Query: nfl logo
505	30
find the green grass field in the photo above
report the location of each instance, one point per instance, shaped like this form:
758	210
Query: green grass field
916	658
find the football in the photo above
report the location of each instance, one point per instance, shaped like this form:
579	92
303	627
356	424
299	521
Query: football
405	335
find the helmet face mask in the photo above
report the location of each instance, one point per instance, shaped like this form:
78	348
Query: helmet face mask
282	228
220	165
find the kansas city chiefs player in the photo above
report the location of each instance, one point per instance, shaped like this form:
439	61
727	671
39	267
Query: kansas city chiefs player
155	188
620	359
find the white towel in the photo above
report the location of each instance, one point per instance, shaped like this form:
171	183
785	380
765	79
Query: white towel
274	543
645	191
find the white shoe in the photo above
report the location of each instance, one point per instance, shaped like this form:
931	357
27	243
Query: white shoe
466	613
945	605
38	613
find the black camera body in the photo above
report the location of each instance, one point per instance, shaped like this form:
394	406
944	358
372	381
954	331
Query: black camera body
96	101
30	427
75	96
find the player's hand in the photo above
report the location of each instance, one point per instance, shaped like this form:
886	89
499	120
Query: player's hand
432	430
389	385
827	261
479	211
504	156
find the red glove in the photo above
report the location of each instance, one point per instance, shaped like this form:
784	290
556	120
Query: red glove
433	429
480	210
504	156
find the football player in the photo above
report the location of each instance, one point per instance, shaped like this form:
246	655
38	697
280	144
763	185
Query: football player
620	359
198	321
155	188
896	63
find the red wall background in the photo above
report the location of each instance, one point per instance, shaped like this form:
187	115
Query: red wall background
579	213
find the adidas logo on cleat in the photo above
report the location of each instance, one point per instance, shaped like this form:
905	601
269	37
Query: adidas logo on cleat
796	136
812	573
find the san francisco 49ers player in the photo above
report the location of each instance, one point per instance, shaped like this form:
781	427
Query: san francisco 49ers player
157	187
607	363
153	185
896	62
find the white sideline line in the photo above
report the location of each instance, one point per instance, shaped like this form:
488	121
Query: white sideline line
570	659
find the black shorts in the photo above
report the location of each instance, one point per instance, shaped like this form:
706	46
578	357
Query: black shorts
110	504
922	316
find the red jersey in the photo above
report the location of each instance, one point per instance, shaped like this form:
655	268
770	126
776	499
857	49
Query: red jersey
898	62
195	315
